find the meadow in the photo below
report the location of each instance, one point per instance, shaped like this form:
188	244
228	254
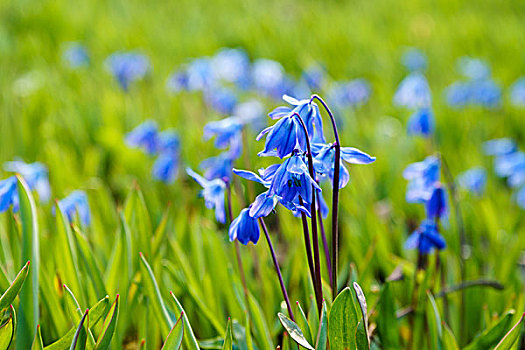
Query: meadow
124	225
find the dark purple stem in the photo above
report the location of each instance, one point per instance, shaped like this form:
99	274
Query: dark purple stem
335	197
315	236
277	269
323	237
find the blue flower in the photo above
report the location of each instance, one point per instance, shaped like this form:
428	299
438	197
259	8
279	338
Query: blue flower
127	67
517	93
75	55
8	194
520	197
413	92
436	206
168	141
225	131
426	238
283	137
268	77
314	77
473	180
218	167
250	112
421	122
244	228
349	94
222	99
508	164
309	112
35	175
422	177
233	66
76	204
213	192
484	93
325	158
178	81
144	136
499	147
473	68
414	60
166	167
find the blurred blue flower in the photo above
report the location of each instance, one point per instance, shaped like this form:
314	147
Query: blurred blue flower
75	55
225	130
200	74
485	93
421	122
268	77
422	177
244	228
127	67
35	175
250	112
414	60
8	194
314	77
436	206
213	192
324	160
473	180
349	94
218	167
168	141
499	147
144	136
520	197
426	238
517	93
473	68
166	167
178	81
76	204
413	92
221	99
508	164
233	66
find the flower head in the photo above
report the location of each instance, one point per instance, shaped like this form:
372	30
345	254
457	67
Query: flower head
436	206
213	192
422	177
144	136
244	228
421	122
268	77
75	55
349	94
426	238
127	67
35	175
283	137
166	167
233	66
413	92
225	130
221	99
517	93
414	60
485	93
499	147
473	180
473	68
8	194
76	204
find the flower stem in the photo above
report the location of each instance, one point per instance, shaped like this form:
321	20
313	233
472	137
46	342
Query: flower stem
308	246
277	269
335	197
323	237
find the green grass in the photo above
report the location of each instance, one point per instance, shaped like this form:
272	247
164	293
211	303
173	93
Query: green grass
74	121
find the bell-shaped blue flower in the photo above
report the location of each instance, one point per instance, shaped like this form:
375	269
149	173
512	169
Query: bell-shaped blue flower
314	77
473	180
75	55
127	67
218	167
35	175
213	192
421	123
224	130
349	94
244	228
413	92
508	164
473	68
499	147
221	99
268	77
250	112
166	167
283	137
485	93
414	60
144	136
8	194
422	177
169	141
426	238
232	66
517	93
436	206
76	204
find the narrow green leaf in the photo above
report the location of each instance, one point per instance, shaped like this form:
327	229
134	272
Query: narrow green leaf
261	332
108	328
10	294
361	338
28	311
174	339
302	322
7	330
190	340
510	338
387	320
80	338
294	331
38	344
151	289
490	337
89	262
322	333
449	340
342	321
228	338
434	323
361	299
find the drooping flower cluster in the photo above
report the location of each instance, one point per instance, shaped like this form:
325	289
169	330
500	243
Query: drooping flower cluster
478	90
414	93
509	163
165	145
424	187
291	183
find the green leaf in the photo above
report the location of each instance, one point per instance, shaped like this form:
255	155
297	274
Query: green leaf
108	328
322	333
261	332
490	337
342	321
10	294
510	338
191	341
174	339
7	330
28	311
361	299
387	320
89	262
228	338
80	338
449	340
38	344
151	290
434	323
302	322
294	331
361	338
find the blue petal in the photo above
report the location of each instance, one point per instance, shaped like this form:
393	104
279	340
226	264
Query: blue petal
355	156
